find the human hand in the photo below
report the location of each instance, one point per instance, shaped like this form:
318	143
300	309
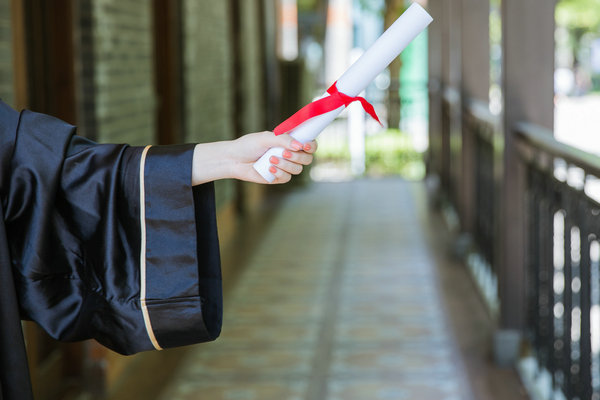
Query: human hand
252	146
235	159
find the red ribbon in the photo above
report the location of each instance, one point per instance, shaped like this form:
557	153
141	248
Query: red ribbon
334	100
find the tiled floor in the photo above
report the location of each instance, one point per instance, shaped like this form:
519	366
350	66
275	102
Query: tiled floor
340	302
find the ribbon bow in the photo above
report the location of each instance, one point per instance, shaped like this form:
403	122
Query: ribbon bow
322	106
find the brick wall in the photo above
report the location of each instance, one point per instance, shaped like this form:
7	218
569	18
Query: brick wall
6	67
122	107
123	71
207	74
207	70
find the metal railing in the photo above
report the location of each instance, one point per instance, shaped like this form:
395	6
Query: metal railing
543	259
562	259
474	189
484	126
451	158
451	112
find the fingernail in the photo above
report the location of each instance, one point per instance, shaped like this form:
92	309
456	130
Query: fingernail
286	154
307	147
296	145
272	169
274	160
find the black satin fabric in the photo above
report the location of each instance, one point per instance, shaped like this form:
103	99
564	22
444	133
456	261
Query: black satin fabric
14	373
72	219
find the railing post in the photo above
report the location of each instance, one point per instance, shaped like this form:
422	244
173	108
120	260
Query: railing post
434	162
451	77
444	73
528	68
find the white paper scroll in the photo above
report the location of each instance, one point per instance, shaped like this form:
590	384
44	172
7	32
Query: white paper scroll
356	78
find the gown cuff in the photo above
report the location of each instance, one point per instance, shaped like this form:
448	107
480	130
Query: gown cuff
180	272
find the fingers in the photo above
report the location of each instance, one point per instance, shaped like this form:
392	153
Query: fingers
298	157
281	176
286	165
292	144
294	157
310	147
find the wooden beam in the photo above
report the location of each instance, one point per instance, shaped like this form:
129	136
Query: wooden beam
168	67
60	75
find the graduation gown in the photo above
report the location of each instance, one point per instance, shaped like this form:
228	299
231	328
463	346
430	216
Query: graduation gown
101	241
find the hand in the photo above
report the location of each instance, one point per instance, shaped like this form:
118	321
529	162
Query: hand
252	146
234	159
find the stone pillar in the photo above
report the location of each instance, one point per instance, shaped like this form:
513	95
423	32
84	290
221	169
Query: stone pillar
528	68
475	76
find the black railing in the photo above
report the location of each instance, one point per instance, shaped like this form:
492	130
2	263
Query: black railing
479	197
484	126
562	257
451	113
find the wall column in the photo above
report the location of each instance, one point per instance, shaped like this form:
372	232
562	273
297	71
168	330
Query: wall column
451	48
528	68
475	55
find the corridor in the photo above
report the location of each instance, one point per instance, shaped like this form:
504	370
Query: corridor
346	298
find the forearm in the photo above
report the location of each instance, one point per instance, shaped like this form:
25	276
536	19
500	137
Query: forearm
235	158
212	161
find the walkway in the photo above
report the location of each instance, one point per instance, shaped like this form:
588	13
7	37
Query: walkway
341	301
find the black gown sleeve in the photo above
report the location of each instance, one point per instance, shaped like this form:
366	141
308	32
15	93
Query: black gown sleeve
111	241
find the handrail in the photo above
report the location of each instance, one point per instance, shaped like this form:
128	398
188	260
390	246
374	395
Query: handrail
451	95
542	138
482	129
551	201
481	111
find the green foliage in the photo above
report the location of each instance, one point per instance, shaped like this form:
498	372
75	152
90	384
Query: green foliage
374	6
387	153
495	25
578	14
333	151
307	5
392	153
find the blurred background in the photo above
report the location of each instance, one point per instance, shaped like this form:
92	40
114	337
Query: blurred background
452	253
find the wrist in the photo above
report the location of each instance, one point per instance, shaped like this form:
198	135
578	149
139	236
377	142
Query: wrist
211	162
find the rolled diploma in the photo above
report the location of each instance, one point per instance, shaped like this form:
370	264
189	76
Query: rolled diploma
356	78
